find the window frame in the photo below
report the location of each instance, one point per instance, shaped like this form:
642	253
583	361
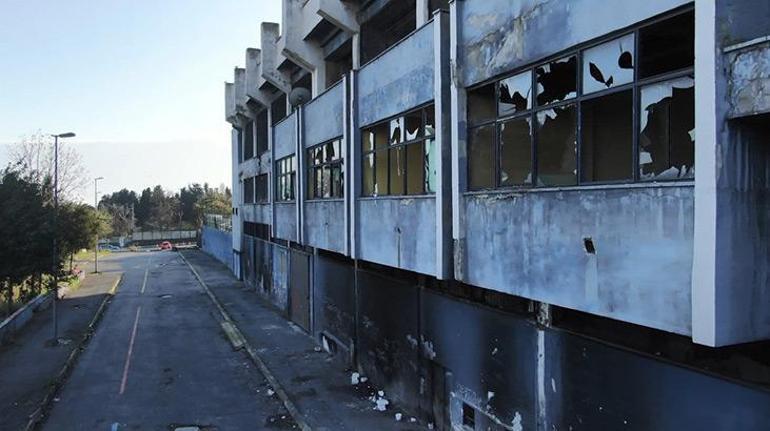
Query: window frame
635	86
291	175
266	198
423	138
312	167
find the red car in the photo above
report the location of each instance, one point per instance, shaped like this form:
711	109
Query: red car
165	245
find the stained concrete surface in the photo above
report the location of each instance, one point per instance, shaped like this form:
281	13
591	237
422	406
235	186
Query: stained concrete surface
182	370
318	385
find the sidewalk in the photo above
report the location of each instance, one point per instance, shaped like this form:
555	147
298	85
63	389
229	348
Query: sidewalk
28	366
320	389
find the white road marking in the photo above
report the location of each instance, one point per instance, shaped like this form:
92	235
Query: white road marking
146	271
130	351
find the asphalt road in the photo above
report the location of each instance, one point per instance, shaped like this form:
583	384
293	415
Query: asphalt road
160	361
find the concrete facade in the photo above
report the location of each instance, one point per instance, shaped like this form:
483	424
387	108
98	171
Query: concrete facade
682	257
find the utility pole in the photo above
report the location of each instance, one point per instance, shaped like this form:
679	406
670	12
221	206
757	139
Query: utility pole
96	241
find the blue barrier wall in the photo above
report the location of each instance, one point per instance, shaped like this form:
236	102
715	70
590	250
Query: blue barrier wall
218	244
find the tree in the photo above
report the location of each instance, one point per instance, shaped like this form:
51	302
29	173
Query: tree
144	207
79	224
33	158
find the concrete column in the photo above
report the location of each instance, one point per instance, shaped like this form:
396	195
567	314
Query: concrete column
299	190
353	163
356	48
458	141
423	12
443	113
271	150
347	158
319	79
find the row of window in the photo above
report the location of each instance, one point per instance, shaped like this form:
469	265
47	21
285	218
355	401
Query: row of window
326	172
253	138
255	189
627	115
399	155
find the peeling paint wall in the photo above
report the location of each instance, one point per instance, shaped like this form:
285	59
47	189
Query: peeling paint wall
322	116
219	244
749	80
279	291
286	221
334	299
500	35
256	213
398	80
531	244
325	225
399	232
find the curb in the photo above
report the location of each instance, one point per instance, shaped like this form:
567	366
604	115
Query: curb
252	352
37	416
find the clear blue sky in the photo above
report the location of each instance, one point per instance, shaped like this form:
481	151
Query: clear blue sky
139	81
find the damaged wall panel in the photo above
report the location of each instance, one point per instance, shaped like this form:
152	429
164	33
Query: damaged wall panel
500	35
285	221
399	232
334	298
388	335
749	81
322	116
285	137
638	268
399	80
593	386
491	356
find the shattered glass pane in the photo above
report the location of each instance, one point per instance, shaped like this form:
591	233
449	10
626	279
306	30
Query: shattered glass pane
381	174
556	81
481	104
606	151
667	46
413	125
396	135
515	94
609	65
430	121
431	155
480	157
557	146
326	179
397	170
667	124
415	169
516	152
368	175
368	140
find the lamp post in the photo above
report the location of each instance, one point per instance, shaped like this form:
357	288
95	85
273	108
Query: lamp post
96	243
55	339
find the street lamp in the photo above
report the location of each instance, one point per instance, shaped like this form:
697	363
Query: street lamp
55	339
96	243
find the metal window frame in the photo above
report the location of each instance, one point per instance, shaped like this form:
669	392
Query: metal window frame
311	168
281	174
266	198
636	85
423	109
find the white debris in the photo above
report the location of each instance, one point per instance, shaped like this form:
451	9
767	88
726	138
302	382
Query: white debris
364	379
430	426
355	378
381	393
412	420
494	351
382	404
553	385
270	392
399	416
490	395
517	422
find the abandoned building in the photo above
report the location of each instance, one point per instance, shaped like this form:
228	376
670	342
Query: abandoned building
517	214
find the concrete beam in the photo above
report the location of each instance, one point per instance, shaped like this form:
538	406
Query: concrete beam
253	74
301	19
272	58
229	102
239	84
341	14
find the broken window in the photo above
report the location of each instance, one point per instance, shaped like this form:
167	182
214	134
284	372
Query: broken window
325	170
609	65
515	94
248	190
285	176
667	46
278	109
248	140
481	104
667	130
557	146
260	189
481	157
629	129
607	131
556	81
399	156
516	152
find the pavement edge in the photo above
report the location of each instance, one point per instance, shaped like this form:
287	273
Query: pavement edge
36	418
252	353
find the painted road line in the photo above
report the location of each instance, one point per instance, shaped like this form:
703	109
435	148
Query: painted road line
146	271
130	351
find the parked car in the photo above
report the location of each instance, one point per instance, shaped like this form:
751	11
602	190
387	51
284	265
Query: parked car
165	245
